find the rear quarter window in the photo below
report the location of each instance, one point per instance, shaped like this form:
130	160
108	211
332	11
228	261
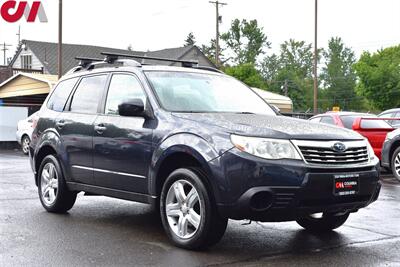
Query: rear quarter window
60	95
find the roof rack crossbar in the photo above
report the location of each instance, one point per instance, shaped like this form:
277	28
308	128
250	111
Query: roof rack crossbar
86	61
115	56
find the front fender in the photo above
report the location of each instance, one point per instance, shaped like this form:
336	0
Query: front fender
190	144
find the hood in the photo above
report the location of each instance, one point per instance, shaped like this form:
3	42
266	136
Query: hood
271	126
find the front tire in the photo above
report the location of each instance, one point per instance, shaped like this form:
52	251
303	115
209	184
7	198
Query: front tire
395	164
325	223
53	192
188	212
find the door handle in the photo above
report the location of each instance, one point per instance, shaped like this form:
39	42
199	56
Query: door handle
60	124
100	128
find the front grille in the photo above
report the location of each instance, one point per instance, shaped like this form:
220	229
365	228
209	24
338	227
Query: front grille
355	153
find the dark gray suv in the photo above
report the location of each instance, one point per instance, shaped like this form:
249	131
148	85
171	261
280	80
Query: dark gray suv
197	144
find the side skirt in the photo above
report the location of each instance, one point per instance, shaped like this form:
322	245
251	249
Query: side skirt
120	194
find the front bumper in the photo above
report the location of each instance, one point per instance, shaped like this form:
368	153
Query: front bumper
262	190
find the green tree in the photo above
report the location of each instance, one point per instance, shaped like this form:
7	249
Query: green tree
246	41
190	39
339	77
209	50
379	77
248	74
291	69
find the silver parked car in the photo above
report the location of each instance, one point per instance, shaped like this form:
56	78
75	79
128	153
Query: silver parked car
392	115
24	132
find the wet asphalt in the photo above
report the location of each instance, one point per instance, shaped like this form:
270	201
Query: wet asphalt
101	231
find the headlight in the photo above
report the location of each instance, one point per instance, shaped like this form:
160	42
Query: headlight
266	148
371	152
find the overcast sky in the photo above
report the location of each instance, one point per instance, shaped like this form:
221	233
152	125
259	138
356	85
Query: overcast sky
157	24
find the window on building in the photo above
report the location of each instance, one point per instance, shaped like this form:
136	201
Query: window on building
26	62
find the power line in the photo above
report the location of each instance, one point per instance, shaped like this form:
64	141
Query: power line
5	49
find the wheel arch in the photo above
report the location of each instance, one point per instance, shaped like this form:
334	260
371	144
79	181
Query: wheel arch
394	146
179	151
49	144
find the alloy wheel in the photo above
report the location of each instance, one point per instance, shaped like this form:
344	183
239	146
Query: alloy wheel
397	164
25	145
183	209
49	184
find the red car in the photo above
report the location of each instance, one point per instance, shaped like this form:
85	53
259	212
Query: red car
368	125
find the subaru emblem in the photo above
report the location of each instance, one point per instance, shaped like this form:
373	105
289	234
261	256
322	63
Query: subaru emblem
339	147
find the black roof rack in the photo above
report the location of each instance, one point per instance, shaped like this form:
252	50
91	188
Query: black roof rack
86	61
111	57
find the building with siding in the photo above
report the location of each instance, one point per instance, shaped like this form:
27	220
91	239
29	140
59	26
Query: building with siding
37	55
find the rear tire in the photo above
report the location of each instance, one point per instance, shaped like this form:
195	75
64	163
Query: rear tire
326	223
53	192
25	142
395	164
188	211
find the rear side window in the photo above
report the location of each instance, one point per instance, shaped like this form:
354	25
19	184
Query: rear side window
88	94
60	95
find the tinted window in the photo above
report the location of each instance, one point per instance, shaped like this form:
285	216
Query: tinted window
328	120
348	122
88	94
60	95
122	88
374	124
387	115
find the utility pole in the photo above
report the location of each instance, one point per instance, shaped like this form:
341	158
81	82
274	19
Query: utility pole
19	34
5	49
218	20
59	39
316	59
285	88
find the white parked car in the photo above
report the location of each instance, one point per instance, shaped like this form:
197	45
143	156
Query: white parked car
24	132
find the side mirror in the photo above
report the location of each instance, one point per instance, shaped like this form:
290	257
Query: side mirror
132	108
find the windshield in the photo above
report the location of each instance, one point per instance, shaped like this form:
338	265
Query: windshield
366	124
195	92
